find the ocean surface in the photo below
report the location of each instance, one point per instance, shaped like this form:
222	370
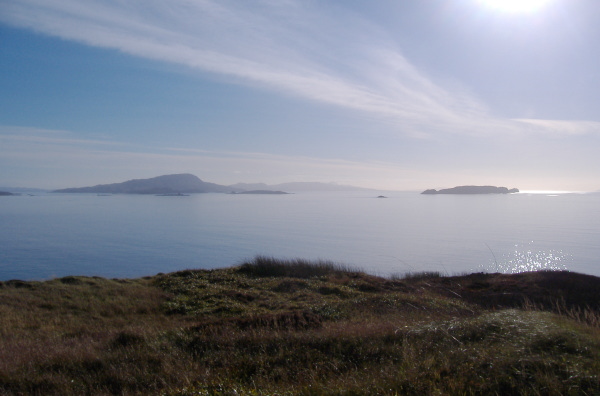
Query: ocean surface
123	236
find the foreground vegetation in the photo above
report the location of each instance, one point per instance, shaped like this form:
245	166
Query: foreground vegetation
293	327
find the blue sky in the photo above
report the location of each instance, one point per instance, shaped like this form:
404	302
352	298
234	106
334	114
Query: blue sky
403	95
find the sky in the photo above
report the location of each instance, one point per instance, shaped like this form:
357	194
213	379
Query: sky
387	94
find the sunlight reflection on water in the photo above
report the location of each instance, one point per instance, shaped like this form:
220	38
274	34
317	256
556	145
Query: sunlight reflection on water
528	258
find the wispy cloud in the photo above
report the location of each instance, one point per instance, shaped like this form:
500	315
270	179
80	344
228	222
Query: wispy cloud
47	136
561	127
325	54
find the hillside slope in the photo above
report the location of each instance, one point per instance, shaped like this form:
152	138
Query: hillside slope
167	184
301	328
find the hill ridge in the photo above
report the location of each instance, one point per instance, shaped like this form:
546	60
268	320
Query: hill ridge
165	184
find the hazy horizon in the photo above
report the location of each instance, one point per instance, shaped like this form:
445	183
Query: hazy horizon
332	183
397	96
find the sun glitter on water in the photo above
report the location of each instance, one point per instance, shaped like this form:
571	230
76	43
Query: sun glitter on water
525	258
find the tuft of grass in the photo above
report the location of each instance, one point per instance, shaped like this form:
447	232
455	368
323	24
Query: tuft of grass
578	313
262	266
423	275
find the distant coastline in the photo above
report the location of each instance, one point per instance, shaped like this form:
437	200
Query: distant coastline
472	190
259	192
189	184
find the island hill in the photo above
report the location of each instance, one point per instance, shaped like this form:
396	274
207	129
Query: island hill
181	184
176	185
472	190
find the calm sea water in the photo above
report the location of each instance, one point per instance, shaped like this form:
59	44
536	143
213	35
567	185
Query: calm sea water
55	235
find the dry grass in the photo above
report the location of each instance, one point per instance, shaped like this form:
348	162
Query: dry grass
281	327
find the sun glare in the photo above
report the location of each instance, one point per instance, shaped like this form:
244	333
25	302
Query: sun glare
515	6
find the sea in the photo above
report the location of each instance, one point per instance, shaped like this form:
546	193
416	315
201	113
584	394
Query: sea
50	235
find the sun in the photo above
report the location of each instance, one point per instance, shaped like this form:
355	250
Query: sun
516	6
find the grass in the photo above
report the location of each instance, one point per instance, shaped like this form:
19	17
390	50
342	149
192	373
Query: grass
263	266
277	327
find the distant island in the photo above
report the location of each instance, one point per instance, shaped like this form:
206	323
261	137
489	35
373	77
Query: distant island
258	192
472	190
186	183
296	187
6	194
168	184
172	195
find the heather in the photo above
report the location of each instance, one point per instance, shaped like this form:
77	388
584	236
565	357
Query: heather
277	327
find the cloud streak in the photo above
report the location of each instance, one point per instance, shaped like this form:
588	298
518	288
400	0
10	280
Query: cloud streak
561	128
325	54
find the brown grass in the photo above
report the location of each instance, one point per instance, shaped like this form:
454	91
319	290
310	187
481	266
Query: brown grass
320	331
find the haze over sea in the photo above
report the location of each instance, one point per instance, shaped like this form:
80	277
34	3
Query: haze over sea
54	235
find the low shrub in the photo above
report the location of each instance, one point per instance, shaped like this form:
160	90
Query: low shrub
263	266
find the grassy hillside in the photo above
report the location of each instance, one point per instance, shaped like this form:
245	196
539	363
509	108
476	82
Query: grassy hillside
294	327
